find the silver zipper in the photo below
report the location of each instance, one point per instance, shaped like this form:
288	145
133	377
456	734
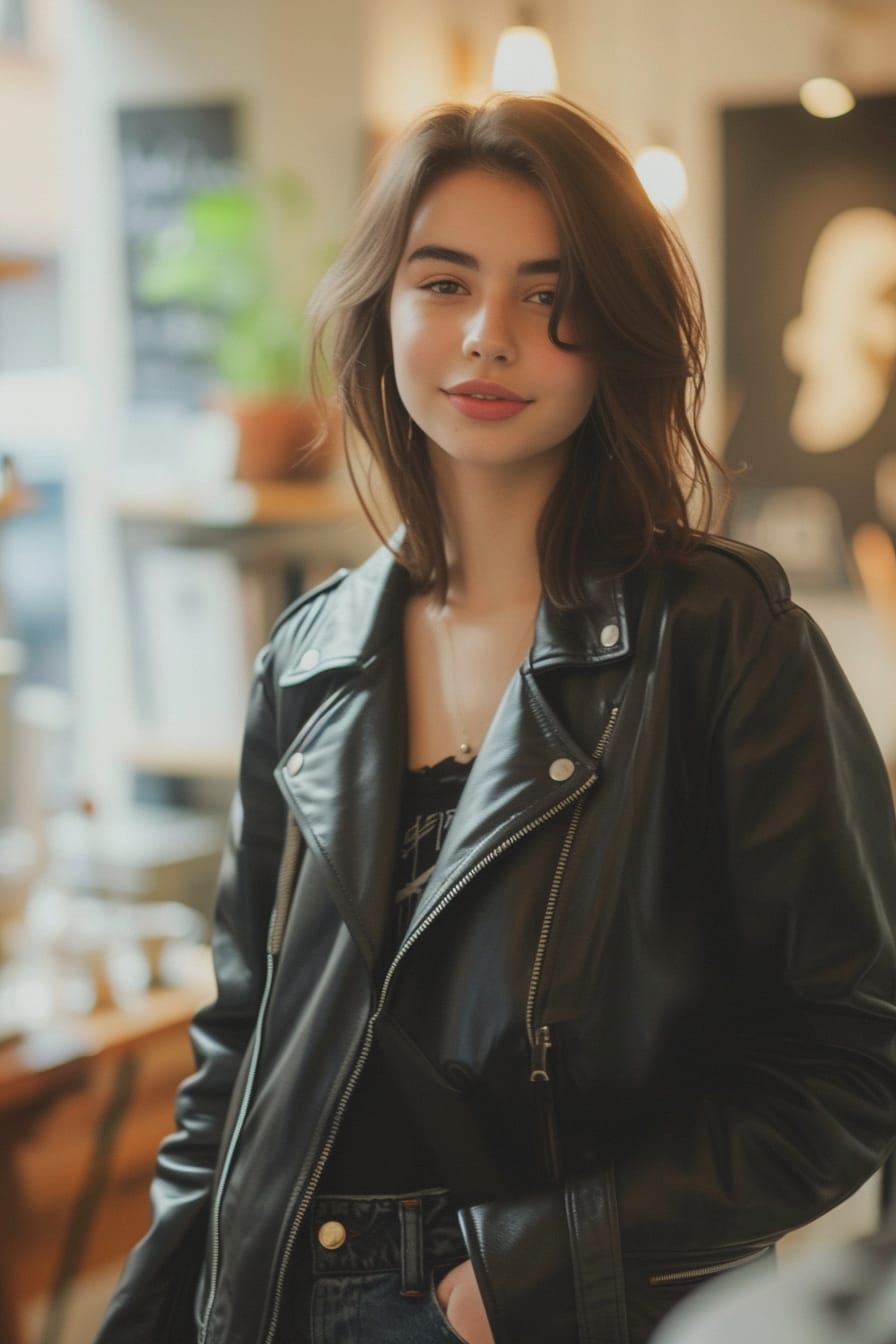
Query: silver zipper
703	1271
285	880
421	928
540	1041
289	865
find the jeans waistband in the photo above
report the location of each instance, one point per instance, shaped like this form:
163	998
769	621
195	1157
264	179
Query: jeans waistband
415	1234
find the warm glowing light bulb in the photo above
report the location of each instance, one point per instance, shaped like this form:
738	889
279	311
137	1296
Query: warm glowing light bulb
663	177
524	62
825	97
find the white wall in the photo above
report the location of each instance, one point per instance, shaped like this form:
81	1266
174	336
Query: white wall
31	208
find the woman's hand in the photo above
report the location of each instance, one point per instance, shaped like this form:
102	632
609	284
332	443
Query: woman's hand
459	1297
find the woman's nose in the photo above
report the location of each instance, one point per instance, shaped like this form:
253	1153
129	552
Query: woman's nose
489	335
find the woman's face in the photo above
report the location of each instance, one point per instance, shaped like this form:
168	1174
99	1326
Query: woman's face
469	311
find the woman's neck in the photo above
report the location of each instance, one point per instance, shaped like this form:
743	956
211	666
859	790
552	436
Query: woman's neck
491	522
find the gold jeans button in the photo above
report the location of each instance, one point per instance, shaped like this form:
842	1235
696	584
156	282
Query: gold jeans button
331	1236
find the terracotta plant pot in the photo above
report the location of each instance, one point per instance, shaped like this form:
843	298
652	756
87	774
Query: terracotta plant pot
276	438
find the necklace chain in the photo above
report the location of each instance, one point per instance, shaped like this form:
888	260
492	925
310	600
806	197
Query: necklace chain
466	748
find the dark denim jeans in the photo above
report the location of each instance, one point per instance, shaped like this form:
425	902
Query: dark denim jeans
372	1268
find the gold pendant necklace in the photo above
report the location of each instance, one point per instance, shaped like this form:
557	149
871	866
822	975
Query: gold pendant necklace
466	748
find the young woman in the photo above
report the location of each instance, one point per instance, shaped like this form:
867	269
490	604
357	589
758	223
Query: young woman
555	938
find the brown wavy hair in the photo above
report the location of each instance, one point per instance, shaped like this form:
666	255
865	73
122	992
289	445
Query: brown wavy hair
638	460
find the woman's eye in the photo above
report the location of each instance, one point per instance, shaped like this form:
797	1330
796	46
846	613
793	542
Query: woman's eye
544	297
443	286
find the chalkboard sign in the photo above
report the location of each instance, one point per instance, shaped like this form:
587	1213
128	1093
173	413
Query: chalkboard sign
168	153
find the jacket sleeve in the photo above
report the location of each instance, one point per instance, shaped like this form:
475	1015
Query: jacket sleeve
801	812
155	1298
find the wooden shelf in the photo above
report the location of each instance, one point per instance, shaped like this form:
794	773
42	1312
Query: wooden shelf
245	503
17	268
293	530
182	761
18	500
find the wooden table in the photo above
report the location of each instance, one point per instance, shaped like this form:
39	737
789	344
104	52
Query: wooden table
84	1104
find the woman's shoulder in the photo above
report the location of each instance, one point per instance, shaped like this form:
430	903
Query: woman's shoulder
292	633
304	609
719	602
720	583
340	620
722	569
291	629
728	562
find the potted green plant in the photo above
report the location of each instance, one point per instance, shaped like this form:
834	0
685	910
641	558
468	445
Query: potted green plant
237	254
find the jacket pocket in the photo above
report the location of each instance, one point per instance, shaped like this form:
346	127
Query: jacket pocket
689	1275
656	1284
435	1309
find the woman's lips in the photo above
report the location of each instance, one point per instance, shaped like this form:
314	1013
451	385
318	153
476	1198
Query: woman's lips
485	401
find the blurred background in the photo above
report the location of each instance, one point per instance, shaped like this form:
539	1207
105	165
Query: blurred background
173	180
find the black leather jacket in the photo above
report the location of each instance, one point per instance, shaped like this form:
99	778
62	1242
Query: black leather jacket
645	1008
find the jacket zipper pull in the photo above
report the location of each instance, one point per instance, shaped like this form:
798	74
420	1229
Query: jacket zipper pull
540	1048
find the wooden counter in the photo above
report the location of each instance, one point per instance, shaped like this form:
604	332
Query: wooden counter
84	1104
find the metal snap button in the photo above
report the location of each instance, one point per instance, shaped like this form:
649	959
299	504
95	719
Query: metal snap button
309	660
295	763
332	1235
609	636
561	769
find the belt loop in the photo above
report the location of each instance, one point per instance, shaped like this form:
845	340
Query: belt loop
413	1269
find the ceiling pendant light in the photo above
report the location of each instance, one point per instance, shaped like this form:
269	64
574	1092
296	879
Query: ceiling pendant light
524	61
663	176
824	96
659	167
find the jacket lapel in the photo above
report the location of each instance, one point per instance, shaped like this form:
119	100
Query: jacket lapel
342	772
532	763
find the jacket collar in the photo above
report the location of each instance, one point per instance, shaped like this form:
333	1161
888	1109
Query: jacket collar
364	613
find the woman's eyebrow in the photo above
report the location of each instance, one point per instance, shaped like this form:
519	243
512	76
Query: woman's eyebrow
433	253
543	266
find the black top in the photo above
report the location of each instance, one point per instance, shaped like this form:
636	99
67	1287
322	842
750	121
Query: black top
378	1149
